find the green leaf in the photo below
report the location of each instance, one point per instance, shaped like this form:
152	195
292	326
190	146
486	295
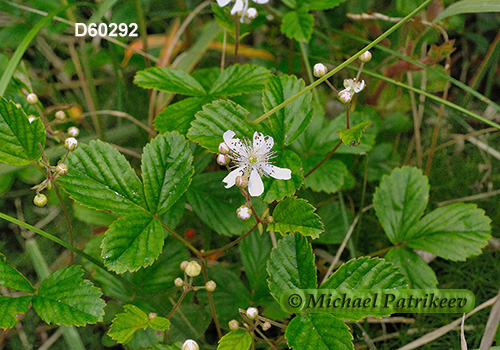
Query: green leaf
318	332
216	206
190	322
11	278
329	177
9	307
324	4
454	232
133	241
469	6
170	80
296	215
125	324
237	80
235	340
291	266
288	123
101	178
298	25
178	116
166	171
331	216
217	118
352	137
416	270
66	298
400	201
18	137
276	190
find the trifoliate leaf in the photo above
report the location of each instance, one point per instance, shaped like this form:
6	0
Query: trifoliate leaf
352	136
298	25
239	79
179	115
11	278
18	137
9	307
235	340
170	80
66	298
416	270
296	215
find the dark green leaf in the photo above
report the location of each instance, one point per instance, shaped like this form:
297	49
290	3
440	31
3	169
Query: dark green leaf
9	307
416	270
235	340
237	80
170	80
178	116
11	278
324	4
190	322
329	177
298	25
276	190
352	137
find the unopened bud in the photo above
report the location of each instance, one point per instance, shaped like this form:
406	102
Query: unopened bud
241	181
252	313
183	265
345	97
252	13
193	269
244	212
210	286
62	169
190	345
234	325
152	315
31	118
32	99
71	143
73	131
222	159
365	57
40	200
60	115
178	282
270	219
266	326
224	148
319	70
18	105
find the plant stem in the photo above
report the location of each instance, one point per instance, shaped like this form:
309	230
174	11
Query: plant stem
233	243
348	123
210	298
303	50
236	39
324	160
331	87
68	221
180	238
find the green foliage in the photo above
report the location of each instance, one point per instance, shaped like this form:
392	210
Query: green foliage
296	215
11	278
420	275
298	25
329	177
352	137
239	79
276	190
169	80
468	6
235	340
9	307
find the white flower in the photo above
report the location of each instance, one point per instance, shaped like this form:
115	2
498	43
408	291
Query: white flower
190	345
352	86
240	6
252	313
244	212
253	161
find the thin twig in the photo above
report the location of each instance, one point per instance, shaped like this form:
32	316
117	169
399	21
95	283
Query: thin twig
491	326
470	198
210	299
324	159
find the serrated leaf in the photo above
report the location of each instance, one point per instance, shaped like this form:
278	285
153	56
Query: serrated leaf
400	201
324	4
276	190
296	215
438	53
170	80
214	120
66	298
166	171
9	307
239	79
133	241
352	137
416	270
454	232
291	266
18	137
190	322
298	25
318	332
288	123
101	178
159	323
178	116
329	177
11	278
235	340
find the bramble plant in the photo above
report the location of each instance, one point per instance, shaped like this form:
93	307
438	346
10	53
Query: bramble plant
182	227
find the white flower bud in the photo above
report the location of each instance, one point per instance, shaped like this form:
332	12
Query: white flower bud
244	212
252	13
32	99
222	159
31	118
266	326
152	315
210	286
233	325
18	105
252	313
224	148
73	131
190	345
62	169
365	57
241	181
183	265
193	269
71	143
319	70
40	200
178	282
60	115
345	97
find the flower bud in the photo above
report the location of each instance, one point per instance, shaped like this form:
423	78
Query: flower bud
18	105
266	326
152	315
241	181
233	325
183	265
193	269
40	200
178	282
270	219
210	286
73	131
190	345
319	70
222	159
60	115
252	13
31	118
365	57
345	97
62	169
224	148
32	99
71	143
244	212
252	313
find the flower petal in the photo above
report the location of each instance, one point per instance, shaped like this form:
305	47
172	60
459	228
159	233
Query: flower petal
255	184
348	84
230	179
359	86
261	1
277	172
235	145
262	144
223	3
238	7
